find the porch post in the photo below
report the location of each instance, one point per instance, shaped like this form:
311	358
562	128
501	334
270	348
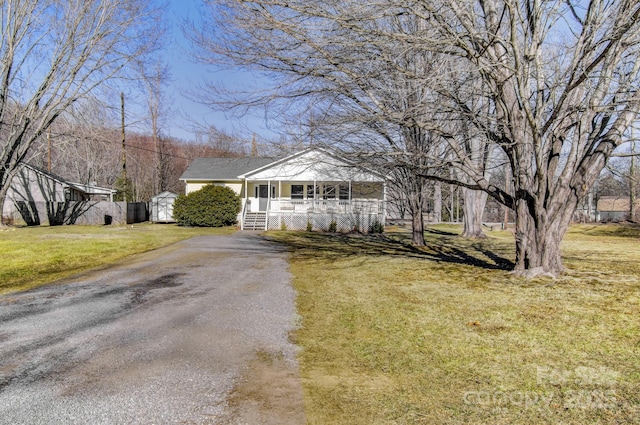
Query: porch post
350	208
315	194
269	195
246	201
384	202
280	202
266	225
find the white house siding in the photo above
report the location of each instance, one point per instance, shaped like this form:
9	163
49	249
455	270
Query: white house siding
237	187
340	192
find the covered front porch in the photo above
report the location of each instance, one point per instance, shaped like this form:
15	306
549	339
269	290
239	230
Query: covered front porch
314	189
315	205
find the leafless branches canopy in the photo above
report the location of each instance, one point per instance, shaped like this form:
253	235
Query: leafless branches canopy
549	87
53	54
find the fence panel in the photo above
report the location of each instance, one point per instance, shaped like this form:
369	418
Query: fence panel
137	212
79	212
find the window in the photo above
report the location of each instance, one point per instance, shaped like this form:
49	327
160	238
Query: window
310	191
329	192
297	191
344	192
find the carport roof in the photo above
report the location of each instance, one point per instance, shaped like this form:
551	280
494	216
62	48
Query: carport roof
223	168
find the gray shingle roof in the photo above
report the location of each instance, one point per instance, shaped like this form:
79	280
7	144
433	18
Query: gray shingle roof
222	168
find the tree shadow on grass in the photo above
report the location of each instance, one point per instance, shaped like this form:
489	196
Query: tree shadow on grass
622	230
441	247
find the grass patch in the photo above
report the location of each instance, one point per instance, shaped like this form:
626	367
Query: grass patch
34	256
394	334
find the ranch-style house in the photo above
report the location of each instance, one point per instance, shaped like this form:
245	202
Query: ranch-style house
314	188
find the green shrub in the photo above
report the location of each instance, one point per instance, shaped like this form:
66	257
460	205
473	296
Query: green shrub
333	226
211	206
309	226
376	227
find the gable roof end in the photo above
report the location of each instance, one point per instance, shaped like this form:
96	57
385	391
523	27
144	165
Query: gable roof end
327	153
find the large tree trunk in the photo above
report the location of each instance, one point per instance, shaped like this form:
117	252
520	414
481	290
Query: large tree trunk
538	237
437	202
473	210
5	184
417	219
3	198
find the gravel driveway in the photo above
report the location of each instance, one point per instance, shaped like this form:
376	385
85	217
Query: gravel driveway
194	333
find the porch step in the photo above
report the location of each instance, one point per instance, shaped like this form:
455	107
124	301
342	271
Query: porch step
255	221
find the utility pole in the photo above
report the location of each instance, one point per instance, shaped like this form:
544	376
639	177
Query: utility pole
254	146
124	150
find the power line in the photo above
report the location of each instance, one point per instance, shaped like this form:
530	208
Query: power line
130	146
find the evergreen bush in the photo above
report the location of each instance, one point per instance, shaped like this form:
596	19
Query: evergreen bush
211	206
376	227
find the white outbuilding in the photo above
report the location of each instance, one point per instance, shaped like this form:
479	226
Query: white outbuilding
162	207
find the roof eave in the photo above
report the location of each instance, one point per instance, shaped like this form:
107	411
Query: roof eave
209	179
276	162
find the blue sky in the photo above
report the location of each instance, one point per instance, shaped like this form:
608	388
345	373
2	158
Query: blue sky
188	75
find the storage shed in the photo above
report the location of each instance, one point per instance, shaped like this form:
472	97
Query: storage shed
162	207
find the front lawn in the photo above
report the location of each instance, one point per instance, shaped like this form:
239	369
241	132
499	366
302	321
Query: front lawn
33	256
393	334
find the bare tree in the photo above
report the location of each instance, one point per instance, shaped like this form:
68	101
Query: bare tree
154	79
364	99
81	144
559	86
55	53
562	80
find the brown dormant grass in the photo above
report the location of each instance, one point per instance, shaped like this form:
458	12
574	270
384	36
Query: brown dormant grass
393	334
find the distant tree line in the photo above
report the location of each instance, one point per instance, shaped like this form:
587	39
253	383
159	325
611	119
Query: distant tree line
92	154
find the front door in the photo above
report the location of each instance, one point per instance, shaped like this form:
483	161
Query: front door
263	196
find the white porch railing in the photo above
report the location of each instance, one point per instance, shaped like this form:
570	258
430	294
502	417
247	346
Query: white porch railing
338	206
